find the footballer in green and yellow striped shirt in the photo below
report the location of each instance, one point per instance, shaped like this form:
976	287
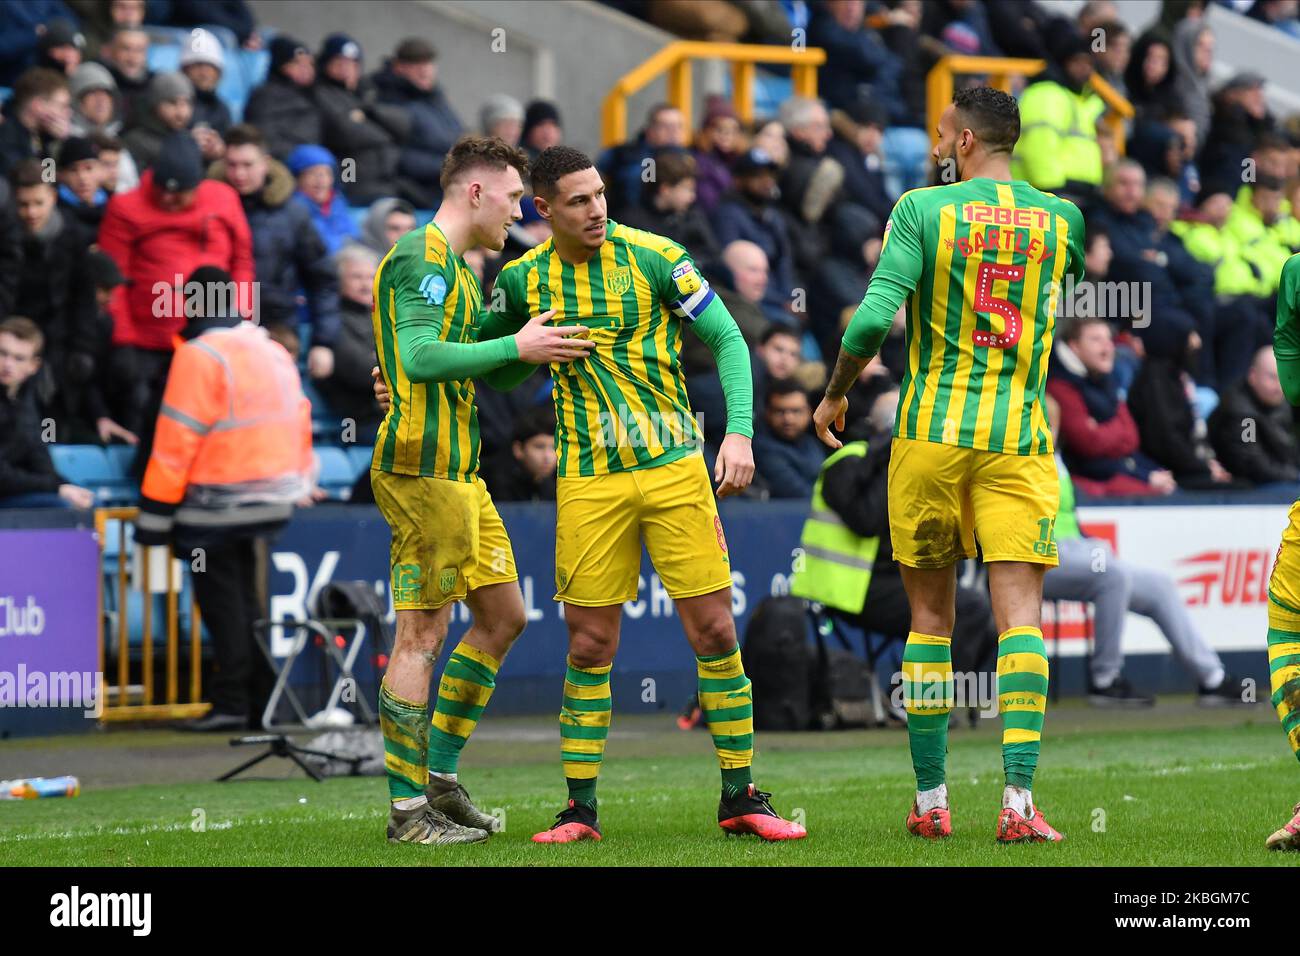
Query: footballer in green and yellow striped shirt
631	470
980	264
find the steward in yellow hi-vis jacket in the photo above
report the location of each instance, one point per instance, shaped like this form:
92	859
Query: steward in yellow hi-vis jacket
231	455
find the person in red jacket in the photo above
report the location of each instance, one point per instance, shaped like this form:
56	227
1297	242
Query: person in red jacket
173	223
1099	439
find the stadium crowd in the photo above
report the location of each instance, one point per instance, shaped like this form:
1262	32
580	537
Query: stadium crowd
119	182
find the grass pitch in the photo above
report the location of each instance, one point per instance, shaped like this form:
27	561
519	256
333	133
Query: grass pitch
1173	786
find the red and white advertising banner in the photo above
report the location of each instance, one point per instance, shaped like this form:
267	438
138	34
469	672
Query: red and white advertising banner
1220	557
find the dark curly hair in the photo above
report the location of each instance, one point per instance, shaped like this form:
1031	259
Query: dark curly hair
993	116
554	164
472	152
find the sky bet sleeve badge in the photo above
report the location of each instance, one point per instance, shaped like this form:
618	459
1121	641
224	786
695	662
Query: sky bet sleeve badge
687	279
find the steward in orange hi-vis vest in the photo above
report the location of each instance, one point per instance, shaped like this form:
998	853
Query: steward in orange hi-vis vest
233	442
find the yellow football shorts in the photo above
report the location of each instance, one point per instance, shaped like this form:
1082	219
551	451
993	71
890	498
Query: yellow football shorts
601	521
943	497
447	538
1284	584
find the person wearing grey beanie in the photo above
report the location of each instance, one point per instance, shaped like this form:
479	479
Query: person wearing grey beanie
170	109
96	104
502	116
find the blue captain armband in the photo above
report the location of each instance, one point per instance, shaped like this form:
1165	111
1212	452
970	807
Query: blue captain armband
696	296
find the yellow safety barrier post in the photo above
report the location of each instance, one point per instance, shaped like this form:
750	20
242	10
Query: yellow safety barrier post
123	700
676	60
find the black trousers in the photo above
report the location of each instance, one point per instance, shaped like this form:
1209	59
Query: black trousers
231	597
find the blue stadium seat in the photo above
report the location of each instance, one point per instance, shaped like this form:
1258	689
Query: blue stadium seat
336	473
119	460
359	457
88	466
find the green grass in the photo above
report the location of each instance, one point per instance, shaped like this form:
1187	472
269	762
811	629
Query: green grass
1186	788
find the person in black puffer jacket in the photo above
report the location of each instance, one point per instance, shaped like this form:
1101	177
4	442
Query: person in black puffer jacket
1252	429
410	80
288	252
357	125
283	108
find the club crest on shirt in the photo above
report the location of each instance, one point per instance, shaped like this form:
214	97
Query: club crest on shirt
619	280
447	579
434	289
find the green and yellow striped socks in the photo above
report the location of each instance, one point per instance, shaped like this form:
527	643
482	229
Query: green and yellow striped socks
1284	670
1022	699
928	700
728	705
466	685
584	725
405	725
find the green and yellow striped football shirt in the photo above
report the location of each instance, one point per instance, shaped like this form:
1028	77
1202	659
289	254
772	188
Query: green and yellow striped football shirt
624	406
980	265
431	429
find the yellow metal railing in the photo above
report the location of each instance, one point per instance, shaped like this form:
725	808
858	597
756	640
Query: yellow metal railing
122	700
1001	71
676	60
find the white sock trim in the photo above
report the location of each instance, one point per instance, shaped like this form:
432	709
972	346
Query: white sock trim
1018	799
410	803
449	777
936	799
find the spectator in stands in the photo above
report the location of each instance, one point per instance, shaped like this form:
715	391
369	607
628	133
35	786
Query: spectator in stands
288	252
27	475
770	138
624	167
170	107
526	470
961	26
85	384
99	19
61	46
668	208
1151	78
1140	258
233	15
203	61
1210	242
1239	118
347	390
542	128
174	222
1265	229
50	291
283	108
1170	424
1280	14
780	353
21	30
716	147
502	116
1252	429
1059	148
1112	59
94	101
1099	439
211	460
859	131
386	221
740	281
126	55
118	170
810	182
38	118
314	168
858	64
750	212
357	125
81	194
787	455
410	81
1193	52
